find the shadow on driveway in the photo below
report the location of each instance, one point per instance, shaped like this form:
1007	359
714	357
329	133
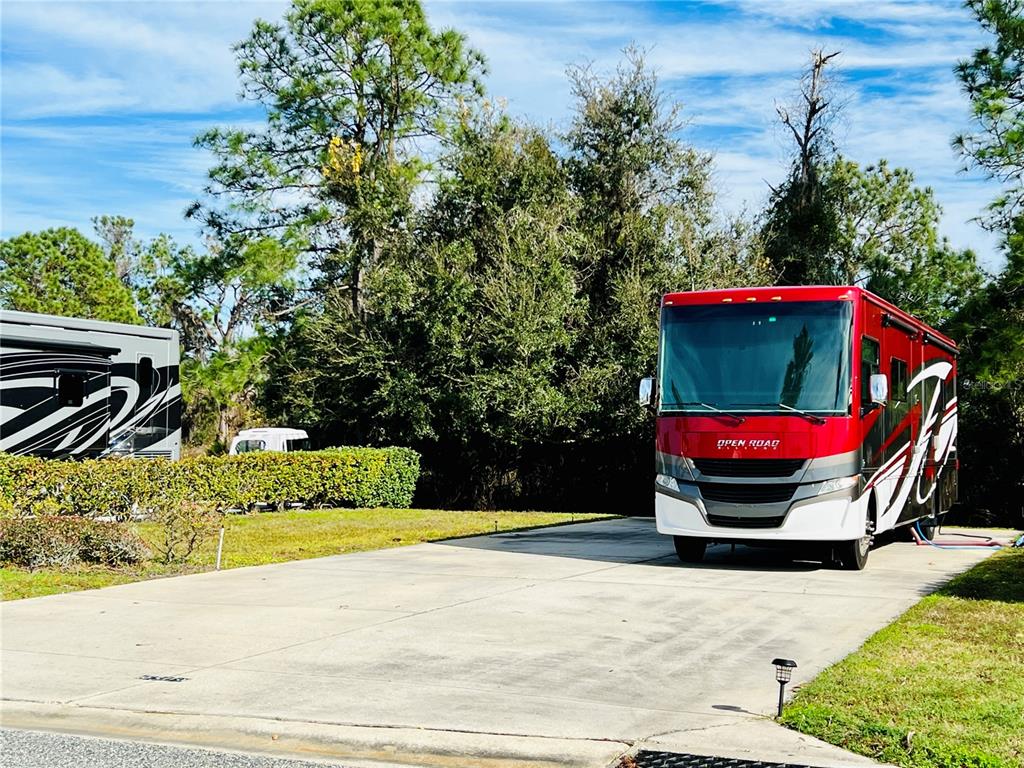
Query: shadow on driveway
636	540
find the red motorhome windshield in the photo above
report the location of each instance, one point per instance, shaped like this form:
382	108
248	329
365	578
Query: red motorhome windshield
756	358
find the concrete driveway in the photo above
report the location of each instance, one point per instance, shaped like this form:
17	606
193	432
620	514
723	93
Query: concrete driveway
566	645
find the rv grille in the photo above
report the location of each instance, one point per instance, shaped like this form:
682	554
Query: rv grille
749	467
724	521
747	493
154	454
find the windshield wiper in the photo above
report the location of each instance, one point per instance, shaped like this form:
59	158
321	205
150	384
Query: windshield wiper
711	407
810	416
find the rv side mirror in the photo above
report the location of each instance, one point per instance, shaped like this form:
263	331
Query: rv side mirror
879	388
646	391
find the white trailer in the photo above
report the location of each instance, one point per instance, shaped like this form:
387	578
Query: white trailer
269	439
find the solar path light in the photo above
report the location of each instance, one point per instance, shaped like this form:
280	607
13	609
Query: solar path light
783	673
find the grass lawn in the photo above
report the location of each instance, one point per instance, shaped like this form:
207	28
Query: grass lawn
274	537
941	687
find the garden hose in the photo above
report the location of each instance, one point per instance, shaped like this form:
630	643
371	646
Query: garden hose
921	540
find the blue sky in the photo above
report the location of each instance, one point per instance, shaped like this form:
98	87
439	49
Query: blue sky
101	100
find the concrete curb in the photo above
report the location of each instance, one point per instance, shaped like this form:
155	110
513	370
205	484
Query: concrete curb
354	745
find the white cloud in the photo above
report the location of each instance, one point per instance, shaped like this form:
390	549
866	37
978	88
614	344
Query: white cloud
102	57
59	173
902	100
43	89
727	61
821	11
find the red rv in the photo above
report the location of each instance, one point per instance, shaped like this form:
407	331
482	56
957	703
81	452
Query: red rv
817	414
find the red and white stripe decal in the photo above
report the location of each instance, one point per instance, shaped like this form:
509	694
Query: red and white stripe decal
890	467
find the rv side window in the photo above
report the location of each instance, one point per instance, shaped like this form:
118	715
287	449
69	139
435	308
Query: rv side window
248	446
868	365
299	444
70	389
948	391
144	372
898	383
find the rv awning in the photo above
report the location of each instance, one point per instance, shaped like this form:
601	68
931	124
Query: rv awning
52	345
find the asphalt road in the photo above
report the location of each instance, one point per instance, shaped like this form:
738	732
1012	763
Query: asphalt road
36	749
559	646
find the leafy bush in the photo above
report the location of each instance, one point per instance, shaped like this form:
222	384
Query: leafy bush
185	526
121	488
66	540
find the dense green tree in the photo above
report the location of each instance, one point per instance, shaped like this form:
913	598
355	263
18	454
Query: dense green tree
349	87
117	235
647	214
225	302
462	348
504	333
647	211
62	272
991	326
990	329
993	79
887	238
135	266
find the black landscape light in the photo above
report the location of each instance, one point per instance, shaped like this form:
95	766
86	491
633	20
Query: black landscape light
783	673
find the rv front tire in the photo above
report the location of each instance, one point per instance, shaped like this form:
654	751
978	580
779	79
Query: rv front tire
689	549
853	555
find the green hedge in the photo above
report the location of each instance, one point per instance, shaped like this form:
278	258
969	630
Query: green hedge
348	477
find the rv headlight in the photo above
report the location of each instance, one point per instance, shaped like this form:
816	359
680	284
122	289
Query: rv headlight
837	484
668	482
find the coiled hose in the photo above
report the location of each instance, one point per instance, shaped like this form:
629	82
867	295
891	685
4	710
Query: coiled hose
988	543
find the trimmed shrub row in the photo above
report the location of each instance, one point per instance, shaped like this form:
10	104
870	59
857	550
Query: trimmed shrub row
121	488
38	542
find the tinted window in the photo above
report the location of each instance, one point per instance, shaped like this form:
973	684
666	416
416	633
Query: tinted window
70	389
144	373
899	380
897	408
948	390
756	357
868	366
248	446
299	444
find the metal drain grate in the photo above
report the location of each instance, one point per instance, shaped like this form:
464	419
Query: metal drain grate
164	678
647	759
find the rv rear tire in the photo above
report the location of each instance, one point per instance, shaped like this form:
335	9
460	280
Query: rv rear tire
927	526
689	549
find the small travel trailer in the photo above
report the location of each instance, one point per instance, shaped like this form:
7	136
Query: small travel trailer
270	439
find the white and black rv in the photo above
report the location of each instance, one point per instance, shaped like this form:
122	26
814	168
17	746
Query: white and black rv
84	388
